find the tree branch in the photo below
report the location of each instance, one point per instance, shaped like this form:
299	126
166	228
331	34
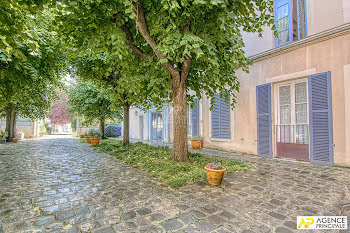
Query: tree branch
131	45
141	25
186	65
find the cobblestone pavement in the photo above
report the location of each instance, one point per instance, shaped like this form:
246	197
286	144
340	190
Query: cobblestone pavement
61	185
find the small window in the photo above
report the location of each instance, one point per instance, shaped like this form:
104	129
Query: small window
290	18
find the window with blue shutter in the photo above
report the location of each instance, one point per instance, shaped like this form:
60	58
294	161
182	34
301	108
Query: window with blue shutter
195	118
221	119
320	119
290	21
264	121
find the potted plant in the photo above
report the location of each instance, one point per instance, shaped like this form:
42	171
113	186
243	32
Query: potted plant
3	136
87	136
215	173
196	142
95	140
15	139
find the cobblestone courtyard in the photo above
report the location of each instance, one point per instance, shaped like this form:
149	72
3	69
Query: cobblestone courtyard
61	185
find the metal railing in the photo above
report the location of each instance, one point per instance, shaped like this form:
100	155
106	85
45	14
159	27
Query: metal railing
298	134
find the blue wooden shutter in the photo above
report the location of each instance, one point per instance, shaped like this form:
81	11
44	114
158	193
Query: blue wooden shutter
195	118
225	117
320	119
263	110
215	117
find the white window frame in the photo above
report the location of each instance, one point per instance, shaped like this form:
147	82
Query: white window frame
292	84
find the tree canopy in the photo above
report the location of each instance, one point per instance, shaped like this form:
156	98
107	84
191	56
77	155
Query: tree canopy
30	82
91	103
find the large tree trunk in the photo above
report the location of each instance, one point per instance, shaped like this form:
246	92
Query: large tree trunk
180	144
126	125
102	128
11	121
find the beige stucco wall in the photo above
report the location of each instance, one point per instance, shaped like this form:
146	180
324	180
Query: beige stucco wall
321	16
138	120
331	55
27	130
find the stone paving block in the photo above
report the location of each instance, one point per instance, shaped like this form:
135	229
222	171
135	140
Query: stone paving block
277	215
128	215
157	217
171	224
198	214
283	230
216	219
187	219
65	214
151	229
83	211
144	211
44	220
205	226
226	214
50	209
105	230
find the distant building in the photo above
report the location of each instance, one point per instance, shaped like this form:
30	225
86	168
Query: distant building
24	125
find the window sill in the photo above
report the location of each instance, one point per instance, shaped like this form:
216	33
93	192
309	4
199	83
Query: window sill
220	140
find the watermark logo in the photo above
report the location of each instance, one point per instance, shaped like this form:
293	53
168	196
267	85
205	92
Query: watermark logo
322	222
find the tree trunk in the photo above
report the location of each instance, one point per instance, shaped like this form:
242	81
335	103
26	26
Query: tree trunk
10	122
126	125
180	144
102	128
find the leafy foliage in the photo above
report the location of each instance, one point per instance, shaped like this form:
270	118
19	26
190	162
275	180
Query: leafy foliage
60	114
90	102
31	82
206	34
158	162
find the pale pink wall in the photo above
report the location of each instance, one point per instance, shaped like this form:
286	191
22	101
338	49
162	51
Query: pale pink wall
331	55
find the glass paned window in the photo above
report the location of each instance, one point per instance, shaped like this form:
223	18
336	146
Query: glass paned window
290	17
301	127
160	120
300	103
282	19
154	120
285	105
301	19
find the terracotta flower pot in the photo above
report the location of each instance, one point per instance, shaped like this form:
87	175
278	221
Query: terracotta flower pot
41	135
215	176
15	140
195	144
88	139
31	136
82	136
95	141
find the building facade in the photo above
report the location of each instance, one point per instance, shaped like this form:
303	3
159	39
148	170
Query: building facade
28	127
295	102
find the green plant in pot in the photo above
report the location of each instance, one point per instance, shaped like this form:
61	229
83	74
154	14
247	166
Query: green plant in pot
96	137
89	134
196	142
